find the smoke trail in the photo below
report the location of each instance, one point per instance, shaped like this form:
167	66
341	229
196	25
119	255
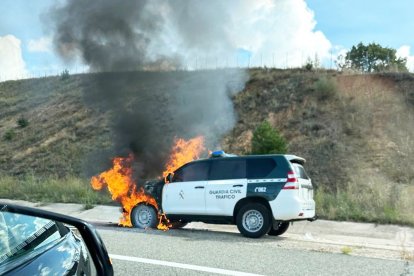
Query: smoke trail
160	35
151	108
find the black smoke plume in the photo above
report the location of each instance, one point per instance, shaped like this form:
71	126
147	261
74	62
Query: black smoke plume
126	42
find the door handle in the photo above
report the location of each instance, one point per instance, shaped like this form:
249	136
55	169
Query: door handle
238	185
199	187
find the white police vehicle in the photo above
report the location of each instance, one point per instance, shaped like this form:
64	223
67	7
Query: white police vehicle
261	194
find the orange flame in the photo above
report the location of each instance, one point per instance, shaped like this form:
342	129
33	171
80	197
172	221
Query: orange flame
183	152
121	186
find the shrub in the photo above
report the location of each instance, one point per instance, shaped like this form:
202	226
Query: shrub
9	135
346	250
22	122
325	88
64	75
309	64
266	140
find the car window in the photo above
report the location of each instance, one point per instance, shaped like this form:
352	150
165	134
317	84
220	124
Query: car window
197	171
300	171
260	167
178	175
227	169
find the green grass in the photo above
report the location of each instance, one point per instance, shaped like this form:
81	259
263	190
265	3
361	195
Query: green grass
350	128
325	89
9	135
52	189
346	250
364	203
88	206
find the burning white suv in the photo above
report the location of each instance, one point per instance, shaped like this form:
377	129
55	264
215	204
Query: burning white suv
261	194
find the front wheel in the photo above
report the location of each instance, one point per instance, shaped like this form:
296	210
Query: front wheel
144	216
253	220
280	228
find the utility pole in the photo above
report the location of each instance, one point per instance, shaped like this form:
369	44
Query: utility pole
261	60
331	59
287	57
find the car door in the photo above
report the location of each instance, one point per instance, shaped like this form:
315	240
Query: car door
227	184
305	183
186	193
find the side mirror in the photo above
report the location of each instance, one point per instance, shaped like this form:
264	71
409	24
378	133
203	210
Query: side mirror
58	240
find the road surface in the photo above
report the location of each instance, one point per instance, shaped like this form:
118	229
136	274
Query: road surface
204	252
307	248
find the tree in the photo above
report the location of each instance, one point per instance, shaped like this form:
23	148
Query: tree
266	140
372	58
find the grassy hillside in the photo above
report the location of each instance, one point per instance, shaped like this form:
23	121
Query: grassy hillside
60	130
356	131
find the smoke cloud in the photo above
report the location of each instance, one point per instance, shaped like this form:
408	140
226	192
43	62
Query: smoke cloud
12	65
190	34
150	109
163	35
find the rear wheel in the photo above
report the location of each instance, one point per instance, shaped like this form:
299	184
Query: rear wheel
279	228
253	220
144	216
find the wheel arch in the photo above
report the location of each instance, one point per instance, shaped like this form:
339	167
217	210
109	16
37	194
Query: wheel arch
247	200
145	203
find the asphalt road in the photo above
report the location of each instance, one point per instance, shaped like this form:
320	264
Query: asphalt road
201	252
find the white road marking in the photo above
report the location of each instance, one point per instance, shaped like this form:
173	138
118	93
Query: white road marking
180	265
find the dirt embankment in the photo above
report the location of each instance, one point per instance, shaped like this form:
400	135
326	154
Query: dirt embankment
356	131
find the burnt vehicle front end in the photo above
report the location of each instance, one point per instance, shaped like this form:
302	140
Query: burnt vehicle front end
154	188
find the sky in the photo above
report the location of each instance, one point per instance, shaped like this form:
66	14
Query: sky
389	23
282	33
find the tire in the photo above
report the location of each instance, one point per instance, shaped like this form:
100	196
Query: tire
253	220
177	224
281	228
144	216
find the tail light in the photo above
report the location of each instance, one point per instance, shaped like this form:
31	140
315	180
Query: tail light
292	182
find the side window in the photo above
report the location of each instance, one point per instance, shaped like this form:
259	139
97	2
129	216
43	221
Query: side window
300	171
178	175
227	169
193	172
260	167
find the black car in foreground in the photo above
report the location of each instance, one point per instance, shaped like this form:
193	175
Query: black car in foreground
36	242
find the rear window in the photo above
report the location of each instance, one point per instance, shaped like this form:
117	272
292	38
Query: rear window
260	167
300	171
228	169
193	172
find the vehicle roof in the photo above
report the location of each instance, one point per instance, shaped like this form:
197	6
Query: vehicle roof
290	157
295	159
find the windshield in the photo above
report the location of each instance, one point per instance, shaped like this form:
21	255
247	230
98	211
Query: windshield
22	234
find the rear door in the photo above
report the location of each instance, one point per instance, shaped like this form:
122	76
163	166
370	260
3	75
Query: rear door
186	193
305	183
226	185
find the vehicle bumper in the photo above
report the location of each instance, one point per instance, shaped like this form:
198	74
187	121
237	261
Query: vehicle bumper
286	208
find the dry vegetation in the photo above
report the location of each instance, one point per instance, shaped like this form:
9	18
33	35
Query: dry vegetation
356	131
